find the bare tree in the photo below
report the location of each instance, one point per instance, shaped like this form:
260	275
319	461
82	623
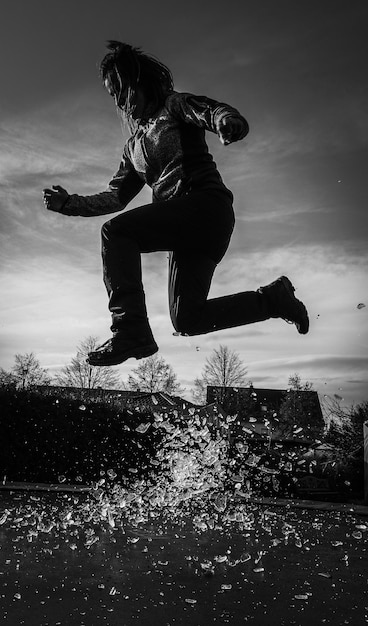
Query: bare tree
345	438
154	374
295	383
28	371
298	410
80	374
7	379
345	430
224	368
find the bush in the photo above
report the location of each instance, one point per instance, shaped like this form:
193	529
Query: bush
45	437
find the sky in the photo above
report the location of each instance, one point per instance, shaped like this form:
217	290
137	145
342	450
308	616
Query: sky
297	72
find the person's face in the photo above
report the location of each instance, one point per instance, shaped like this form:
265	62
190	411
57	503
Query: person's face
116	90
139	104
120	93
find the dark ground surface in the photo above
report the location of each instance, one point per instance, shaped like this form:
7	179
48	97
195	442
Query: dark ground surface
289	567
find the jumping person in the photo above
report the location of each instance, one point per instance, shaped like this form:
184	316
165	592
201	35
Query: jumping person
191	215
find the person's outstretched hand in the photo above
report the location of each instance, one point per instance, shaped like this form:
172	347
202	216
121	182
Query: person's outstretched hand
232	129
55	198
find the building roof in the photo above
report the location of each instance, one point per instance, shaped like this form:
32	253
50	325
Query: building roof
271	398
132	400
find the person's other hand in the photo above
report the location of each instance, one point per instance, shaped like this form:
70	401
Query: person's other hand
55	198
232	129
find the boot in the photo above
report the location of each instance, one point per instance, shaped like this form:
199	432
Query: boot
122	347
282	303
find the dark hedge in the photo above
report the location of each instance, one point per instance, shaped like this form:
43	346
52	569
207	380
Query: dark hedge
45	437
53	438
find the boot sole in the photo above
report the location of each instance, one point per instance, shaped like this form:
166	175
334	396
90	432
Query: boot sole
115	359
302	327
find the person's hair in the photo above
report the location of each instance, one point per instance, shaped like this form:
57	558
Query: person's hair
126	66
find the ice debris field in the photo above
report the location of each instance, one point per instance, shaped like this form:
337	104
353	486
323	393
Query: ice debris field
186	544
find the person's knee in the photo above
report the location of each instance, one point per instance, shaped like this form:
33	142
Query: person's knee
185	323
114	228
105	230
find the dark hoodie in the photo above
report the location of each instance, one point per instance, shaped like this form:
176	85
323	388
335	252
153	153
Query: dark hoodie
168	152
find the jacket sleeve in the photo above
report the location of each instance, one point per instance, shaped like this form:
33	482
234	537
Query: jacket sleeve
202	111
122	188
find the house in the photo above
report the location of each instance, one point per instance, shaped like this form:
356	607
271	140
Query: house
138	401
215	418
256	412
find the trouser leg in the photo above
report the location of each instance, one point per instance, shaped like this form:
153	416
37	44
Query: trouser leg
190	275
197	229
200	221
122	274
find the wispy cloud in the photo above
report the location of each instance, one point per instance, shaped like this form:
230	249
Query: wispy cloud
330	374
60	139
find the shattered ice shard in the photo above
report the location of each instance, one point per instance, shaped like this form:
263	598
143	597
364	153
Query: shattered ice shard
142	428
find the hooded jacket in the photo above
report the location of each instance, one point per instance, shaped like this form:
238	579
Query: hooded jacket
168	152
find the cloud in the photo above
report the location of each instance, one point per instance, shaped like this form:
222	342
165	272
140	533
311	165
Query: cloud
41	149
329	362
43	143
329	373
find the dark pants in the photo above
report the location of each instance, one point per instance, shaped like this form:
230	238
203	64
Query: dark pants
196	230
